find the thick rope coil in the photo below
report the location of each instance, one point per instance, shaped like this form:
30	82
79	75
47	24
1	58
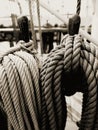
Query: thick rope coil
73	61
20	91
22	102
93	60
76	52
56	93
30	99
78	60
68	54
13	90
6	98
30	61
89	111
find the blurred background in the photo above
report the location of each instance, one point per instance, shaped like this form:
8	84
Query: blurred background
65	8
11	10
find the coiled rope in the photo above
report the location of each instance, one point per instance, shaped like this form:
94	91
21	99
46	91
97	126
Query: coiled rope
70	68
30	105
19	89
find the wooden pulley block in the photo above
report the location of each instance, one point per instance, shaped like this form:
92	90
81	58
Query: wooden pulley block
23	24
74	24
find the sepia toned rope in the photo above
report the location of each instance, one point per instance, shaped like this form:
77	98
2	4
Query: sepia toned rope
13	90
74	54
45	102
45	69
20	94
32	65
20	91
78	7
4	92
29	98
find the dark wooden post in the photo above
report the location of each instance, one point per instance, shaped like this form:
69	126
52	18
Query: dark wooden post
23	24
74	24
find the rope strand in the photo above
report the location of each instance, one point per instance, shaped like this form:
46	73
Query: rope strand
74	55
78	7
30	104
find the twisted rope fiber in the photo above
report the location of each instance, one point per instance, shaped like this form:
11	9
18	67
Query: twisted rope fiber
68	55
13	90
92	91
93	60
43	74
83	56
6	97
20	91
45	63
89	111
78	7
35	76
47	96
30	99
10	66
76	54
85	59
59	108
49	104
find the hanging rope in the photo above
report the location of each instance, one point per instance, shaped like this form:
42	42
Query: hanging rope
19	93
78	7
45	106
39	22
32	24
30	106
73	61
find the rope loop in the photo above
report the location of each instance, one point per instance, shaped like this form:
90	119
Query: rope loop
70	68
68	53
76	52
72	52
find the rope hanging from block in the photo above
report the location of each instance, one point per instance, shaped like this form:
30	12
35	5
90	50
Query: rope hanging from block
39	23
30	106
20	92
19	89
32	24
70	68
78	7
